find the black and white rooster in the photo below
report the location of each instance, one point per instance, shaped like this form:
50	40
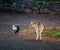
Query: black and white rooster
15	28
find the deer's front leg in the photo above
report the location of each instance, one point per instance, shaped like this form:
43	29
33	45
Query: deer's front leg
40	34
37	34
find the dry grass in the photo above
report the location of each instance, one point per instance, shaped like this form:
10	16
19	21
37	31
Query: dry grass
28	33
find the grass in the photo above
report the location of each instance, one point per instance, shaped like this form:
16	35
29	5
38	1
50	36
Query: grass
51	33
47	35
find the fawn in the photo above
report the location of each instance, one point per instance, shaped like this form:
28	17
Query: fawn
38	26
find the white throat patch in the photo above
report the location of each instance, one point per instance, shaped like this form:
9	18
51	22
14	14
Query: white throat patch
38	28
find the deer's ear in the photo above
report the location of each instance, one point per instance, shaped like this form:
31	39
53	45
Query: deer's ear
31	22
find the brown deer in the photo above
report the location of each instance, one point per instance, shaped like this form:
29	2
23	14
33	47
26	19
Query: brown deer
38	26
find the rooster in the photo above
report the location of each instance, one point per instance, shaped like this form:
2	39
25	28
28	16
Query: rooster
15	28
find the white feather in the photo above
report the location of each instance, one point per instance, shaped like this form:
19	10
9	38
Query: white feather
14	27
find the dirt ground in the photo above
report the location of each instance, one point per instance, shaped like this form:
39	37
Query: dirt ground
25	39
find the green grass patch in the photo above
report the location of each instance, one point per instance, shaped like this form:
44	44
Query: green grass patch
51	33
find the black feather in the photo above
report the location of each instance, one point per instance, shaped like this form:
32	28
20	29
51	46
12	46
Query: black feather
16	31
